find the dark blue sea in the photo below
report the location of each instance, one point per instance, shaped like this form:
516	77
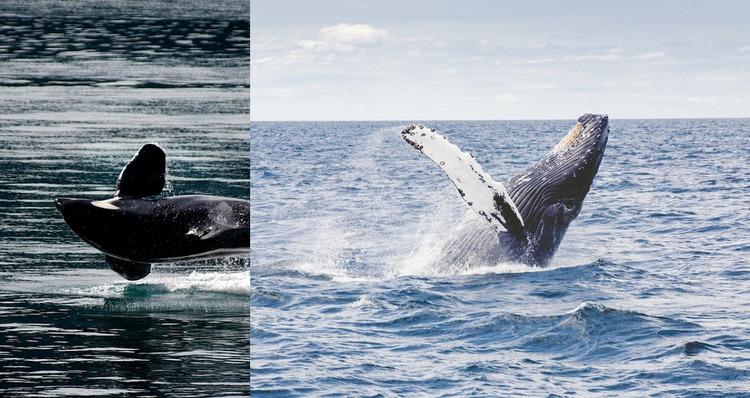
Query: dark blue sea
82	86
647	295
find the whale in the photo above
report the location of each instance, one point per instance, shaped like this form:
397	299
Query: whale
523	219
136	229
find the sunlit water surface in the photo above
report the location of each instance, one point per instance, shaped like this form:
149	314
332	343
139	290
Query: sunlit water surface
82	87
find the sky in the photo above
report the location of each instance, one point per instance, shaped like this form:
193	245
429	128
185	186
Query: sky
414	60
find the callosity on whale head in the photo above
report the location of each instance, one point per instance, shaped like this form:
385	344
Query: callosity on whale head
134	232
530	212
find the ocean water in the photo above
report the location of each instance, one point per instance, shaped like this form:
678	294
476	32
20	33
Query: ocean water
646	296
82	86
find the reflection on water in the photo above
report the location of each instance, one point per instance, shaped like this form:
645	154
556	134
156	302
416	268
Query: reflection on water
28	37
48	344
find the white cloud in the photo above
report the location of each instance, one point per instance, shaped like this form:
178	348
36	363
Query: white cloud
507	97
343	38
353	34
540	86
260	61
539	61
610	55
729	78
655	97
323	46
652	55
703	100
603	58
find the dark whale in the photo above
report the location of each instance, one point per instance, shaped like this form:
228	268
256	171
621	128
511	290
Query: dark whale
134	232
525	218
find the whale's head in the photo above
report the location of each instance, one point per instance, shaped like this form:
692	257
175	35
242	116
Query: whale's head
86	218
550	193
571	166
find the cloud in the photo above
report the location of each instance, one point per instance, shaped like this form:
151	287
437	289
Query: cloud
261	61
602	58
343	38
507	97
729	78
324	46
652	55
353	34
703	100
540	61
610	55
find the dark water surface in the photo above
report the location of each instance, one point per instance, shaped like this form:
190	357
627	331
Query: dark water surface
82	86
647	295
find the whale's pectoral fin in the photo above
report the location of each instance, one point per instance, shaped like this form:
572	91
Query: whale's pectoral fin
485	196
129	270
144	174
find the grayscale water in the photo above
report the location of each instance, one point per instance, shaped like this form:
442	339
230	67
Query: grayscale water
82	86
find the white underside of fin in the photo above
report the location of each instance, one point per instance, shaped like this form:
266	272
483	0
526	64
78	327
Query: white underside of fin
104	204
484	195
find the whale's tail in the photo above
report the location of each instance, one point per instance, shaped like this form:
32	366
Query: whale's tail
531	211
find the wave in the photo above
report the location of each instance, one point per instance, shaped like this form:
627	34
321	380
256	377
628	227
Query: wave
591	333
338	269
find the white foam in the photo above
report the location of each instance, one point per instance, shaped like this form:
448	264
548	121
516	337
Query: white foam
502	268
367	301
219	282
84	392
103	291
364	301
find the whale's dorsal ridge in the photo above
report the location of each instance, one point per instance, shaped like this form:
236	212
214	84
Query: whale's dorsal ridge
144	174
486	197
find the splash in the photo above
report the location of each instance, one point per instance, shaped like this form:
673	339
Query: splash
215	282
168	286
503	268
367	217
342	256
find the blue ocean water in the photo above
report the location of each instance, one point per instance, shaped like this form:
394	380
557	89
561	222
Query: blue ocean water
82	86
646	295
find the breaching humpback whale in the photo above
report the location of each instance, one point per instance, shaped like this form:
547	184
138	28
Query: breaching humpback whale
134	232
523	219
